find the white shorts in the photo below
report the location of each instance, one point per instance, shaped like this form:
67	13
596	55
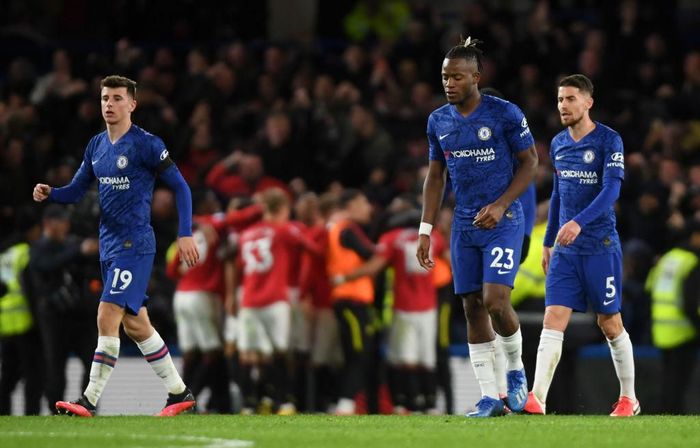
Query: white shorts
198	316
266	329
412	338
294	295
326	348
301	330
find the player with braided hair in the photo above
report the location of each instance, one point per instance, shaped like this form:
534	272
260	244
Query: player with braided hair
477	139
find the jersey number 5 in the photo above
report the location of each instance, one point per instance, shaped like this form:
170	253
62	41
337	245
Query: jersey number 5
610	287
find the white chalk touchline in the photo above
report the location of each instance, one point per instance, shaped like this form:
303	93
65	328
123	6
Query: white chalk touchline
201	441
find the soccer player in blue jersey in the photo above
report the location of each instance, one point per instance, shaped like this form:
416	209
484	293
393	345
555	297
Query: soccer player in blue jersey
528	201
477	138
125	160
582	257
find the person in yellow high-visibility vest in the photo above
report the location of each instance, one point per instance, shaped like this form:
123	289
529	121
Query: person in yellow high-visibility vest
20	343
530	280
674	286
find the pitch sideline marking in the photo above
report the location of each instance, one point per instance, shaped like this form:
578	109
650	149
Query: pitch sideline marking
202	441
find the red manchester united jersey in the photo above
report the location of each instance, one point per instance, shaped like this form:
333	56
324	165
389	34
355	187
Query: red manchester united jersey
207	274
295	255
314	278
414	289
265	252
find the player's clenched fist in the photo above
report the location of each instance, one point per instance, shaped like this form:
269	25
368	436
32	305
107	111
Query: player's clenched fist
188	250
41	192
423	252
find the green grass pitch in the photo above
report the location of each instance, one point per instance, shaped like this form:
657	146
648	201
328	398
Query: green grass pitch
363	432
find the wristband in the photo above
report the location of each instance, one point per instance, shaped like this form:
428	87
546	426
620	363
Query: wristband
425	229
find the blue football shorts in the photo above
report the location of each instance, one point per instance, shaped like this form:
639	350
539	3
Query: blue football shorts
486	256
576	281
126	280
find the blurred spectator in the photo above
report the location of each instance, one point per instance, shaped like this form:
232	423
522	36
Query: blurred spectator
202	154
164	223
636	304
87	123
674	285
371	148
241	174
283	157
377	20
20	340
15	176
58	83
66	313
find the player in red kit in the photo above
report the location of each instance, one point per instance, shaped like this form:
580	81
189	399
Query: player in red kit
198	298
300	331
326	352
264	318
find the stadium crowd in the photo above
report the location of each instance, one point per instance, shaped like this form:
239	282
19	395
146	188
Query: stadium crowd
313	129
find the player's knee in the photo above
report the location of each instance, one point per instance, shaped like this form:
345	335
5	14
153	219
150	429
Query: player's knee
556	319
496	308
610	326
137	331
472	304
108	324
474	312
497	303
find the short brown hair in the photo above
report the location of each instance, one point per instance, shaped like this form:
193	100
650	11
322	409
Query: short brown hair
115	81
327	204
348	195
273	200
579	81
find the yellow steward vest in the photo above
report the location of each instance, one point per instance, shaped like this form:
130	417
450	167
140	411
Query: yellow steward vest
670	326
15	315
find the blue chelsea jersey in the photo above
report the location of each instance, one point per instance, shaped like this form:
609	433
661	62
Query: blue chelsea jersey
479	151
581	168
126	173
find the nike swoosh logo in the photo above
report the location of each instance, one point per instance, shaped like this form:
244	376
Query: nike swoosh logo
608	302
503	272
558	157
115	292
440	137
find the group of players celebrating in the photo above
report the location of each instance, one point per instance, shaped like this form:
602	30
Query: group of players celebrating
481	143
